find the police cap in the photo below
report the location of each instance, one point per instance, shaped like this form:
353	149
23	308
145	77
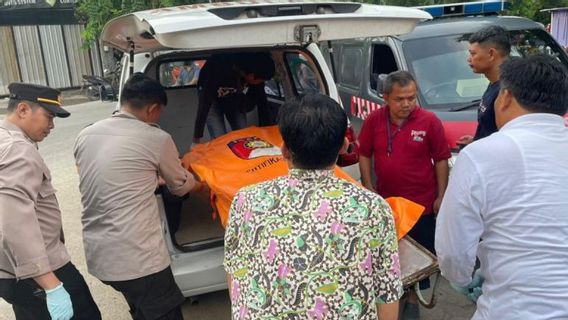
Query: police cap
48	98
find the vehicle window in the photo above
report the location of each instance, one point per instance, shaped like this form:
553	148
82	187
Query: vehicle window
525	42
303	73
445	79
383	63
274	88
350	66
177	74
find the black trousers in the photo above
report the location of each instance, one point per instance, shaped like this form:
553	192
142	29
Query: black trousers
28	300
423	232
155	296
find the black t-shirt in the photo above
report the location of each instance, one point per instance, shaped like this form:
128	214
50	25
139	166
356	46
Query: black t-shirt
486	113
220	82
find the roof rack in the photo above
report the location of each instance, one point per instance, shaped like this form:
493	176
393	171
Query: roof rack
490	7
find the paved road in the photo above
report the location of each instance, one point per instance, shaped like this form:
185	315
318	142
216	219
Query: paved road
57	152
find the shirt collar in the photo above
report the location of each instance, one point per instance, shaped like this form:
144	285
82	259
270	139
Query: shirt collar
411	116
308	174
124	114
9	126
534	118
12	127
128	115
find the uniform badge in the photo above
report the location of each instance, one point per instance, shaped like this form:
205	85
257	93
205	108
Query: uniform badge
253	147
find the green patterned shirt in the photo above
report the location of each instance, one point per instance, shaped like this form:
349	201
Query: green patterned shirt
310	246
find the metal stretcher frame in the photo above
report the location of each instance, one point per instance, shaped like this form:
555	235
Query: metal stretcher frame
417	263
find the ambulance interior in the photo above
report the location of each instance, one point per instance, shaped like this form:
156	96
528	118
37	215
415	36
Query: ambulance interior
296	73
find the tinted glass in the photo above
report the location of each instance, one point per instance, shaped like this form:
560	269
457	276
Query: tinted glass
303	73
351	65
175	74
443	74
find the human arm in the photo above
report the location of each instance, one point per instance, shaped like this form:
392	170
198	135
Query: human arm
178	180
47	281
459	224
473	290
442	174
22	240
464	140
388	311
365	169
229	284
366	149
440	153
58	300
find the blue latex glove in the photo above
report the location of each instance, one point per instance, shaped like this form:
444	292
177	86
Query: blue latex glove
473	290
59	303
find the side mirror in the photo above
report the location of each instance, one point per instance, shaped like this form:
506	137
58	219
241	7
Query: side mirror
381	84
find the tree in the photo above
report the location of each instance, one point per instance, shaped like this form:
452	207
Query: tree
96	13
531	8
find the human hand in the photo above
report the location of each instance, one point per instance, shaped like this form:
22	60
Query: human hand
59	303
465	140
473	290
369	186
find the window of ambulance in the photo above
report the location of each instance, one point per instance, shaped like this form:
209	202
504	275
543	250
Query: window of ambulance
443	74
350	66
180	73
303	73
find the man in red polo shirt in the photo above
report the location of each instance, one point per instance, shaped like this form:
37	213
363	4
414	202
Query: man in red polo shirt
410	158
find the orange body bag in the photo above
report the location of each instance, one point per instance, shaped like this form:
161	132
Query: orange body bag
248	156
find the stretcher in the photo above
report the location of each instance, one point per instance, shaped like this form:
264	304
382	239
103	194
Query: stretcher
417	263
252	155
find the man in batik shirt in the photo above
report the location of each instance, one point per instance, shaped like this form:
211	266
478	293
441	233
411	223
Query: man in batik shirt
310	245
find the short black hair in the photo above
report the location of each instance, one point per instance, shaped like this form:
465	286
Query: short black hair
13	104
258	63
141	91
402	78
494	36
313	129
539	83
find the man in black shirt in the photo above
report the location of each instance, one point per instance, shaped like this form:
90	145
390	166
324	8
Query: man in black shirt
488	48
229	86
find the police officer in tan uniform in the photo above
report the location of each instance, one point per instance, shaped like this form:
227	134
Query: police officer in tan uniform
121	160
36	275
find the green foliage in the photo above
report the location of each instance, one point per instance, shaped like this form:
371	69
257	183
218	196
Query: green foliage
96	13
531	8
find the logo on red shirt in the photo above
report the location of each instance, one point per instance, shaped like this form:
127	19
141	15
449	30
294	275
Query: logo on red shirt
418	136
